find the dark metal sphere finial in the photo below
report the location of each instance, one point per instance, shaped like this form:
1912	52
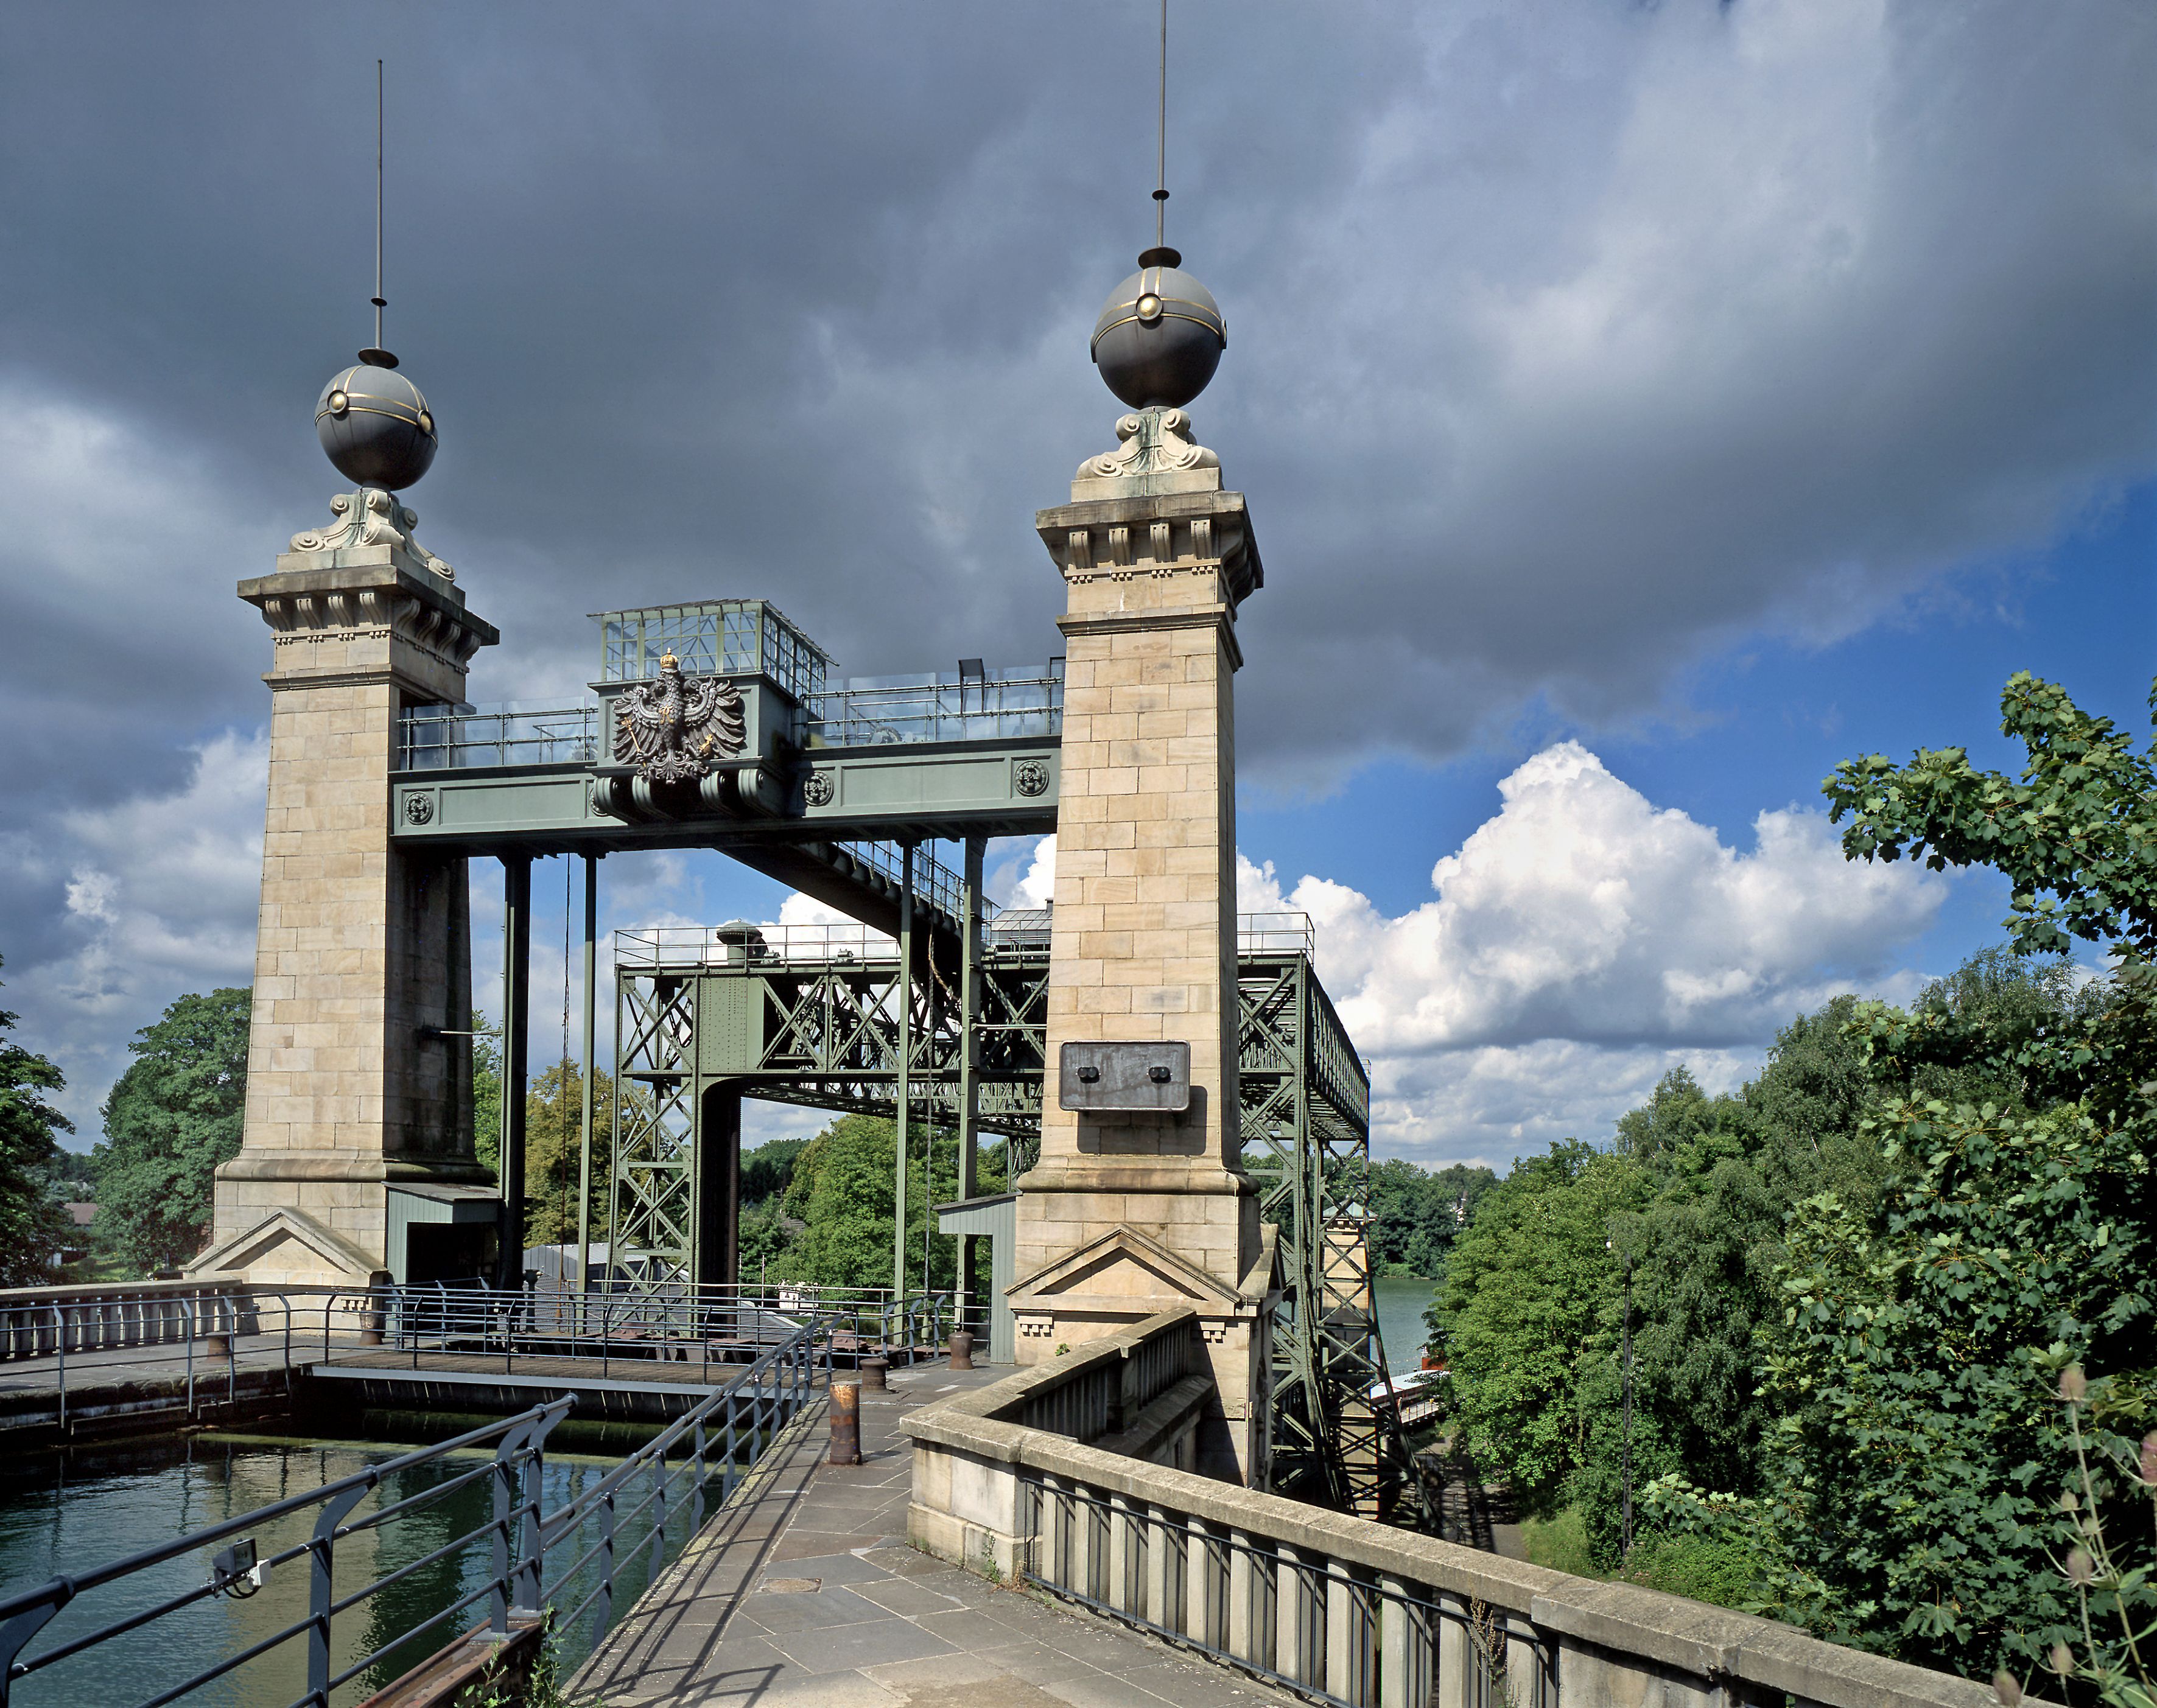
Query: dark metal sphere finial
1159	336
375	425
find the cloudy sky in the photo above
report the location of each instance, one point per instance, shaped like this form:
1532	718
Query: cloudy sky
1642	407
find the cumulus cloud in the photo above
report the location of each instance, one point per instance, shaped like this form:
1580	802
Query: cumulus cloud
1036	886
1582	912
157	896
1581	942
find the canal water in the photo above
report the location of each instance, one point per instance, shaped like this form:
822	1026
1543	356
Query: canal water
64	1513
1400	1299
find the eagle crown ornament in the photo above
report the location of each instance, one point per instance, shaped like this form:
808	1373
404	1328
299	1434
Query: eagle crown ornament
675	728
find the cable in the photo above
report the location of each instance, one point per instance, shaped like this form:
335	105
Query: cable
1161	161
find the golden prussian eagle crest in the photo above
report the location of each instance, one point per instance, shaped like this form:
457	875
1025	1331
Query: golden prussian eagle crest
675	728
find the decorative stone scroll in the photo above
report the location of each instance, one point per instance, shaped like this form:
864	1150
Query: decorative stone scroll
1154	442
370	517
676	727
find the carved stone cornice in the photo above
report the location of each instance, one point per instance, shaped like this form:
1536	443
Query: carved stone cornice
375	615
1155	536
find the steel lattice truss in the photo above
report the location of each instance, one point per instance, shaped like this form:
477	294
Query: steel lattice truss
1306	1107
823	1034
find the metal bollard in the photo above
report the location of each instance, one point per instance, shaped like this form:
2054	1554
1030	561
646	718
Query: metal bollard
845	1424
962	1350
374	1319
873	1371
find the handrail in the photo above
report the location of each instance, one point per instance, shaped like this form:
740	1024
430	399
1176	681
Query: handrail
711	1326
89	1332
530	1548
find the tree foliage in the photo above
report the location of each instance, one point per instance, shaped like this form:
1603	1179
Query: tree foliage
31	1229
1921	1458
1418	1213
170	1119
1526	1311
2076	835
554	1153
840	1190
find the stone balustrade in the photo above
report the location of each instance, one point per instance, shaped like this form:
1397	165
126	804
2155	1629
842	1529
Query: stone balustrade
36	1322
1066	1476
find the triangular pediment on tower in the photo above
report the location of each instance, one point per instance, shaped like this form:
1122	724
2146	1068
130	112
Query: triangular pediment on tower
287	1245
1117	1270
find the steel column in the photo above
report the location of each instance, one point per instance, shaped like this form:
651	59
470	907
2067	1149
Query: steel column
591	1066
905	1066
970	949
516	1025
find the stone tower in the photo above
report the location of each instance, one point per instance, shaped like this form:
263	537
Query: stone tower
362	952
1129	1213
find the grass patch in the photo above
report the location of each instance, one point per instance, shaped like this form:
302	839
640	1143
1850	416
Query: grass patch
1559	1542
1720	1570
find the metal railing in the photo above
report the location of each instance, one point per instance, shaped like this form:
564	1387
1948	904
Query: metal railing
716	637
773	946
710	1327
1285	932
1024	701
200	1339
472	738
1289	933
535	1557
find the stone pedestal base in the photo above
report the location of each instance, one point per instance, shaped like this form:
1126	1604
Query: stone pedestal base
1125	1274
316	1218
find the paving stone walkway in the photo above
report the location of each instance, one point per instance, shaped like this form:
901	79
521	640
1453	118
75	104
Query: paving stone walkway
803	1593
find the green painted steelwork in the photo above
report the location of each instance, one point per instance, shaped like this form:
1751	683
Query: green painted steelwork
809	1017
994	1218
725	637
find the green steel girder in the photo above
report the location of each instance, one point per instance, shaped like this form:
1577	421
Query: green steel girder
910	792
821	1032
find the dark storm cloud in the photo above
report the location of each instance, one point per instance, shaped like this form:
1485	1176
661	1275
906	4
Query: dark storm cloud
1567	340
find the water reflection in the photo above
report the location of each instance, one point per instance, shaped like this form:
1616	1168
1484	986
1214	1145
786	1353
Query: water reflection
68	1512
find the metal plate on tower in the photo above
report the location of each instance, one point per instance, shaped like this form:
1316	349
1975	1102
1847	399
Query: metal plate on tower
1139	1078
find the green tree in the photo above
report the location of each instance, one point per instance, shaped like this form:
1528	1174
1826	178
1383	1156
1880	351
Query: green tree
31	1229
1418	1213
486	1093
553	1154
171	1118
766	1170
1529	1311
841	1190
1922	1451
1921	1458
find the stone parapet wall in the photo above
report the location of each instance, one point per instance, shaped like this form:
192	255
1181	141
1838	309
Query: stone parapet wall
1374	1617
